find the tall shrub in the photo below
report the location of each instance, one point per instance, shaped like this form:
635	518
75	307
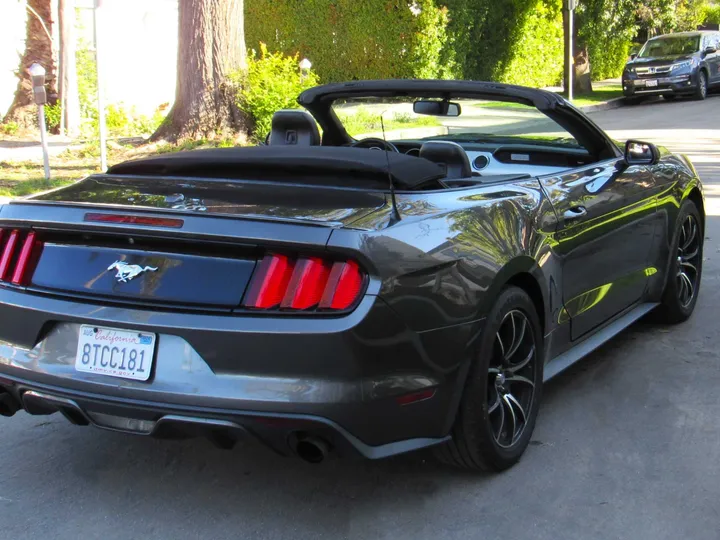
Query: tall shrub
272	82
351	39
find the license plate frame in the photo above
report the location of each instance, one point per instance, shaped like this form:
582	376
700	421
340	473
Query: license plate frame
115	352
651	83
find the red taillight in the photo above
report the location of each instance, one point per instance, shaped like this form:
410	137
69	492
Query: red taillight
29	254
270	282
19	256
343	286
7	255
306	283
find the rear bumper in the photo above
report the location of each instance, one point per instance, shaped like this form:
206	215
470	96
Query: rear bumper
272	378
224	427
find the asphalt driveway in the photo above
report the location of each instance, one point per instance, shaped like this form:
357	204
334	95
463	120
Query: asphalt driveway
627	445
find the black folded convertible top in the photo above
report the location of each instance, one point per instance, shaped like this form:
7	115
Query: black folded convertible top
289	162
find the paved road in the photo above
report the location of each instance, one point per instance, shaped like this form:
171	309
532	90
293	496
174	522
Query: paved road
627	446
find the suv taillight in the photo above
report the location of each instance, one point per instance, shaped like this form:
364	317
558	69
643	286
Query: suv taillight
304	284
19	253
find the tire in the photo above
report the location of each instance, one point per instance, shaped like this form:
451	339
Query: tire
702	86
685	258
504	382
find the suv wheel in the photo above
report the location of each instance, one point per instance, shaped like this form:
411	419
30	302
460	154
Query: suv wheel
702	86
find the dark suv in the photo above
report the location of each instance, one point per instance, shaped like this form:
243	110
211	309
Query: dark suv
674	64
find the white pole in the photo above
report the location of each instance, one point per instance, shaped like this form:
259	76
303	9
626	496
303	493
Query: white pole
43	140
100	93
570	60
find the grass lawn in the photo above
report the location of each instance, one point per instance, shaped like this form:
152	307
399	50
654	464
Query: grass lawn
19	178
600	95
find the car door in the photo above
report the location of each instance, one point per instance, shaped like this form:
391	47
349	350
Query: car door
713	59
606	227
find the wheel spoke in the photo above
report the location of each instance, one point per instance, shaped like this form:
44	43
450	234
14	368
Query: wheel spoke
513	401
501	426
513	418
524	362
689	256
518	336
688	265
690	235
495	405
502	347
520	379
688	283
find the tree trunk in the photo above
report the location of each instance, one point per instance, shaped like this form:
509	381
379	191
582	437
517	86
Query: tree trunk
69	97
211	45
38	48
582	83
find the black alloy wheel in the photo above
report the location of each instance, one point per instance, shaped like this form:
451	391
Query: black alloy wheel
501	398
688	259
684	268
702	86
510	379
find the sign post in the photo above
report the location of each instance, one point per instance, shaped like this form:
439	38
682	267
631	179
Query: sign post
569	11
100	93
37	74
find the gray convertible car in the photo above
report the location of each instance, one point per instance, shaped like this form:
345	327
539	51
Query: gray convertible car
402	265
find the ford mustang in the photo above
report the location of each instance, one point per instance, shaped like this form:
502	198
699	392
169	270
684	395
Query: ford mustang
402	265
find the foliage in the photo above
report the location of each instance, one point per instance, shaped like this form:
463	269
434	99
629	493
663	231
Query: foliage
711	14
348	39
537	57
53	113
665	16
86	81
362	121
606	28
9	128
272	82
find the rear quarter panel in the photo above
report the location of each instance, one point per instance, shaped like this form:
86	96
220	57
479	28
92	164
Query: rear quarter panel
445	261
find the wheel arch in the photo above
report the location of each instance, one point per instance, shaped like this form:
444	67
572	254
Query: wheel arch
522	272
696	197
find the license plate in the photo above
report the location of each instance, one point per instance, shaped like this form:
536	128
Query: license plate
651	84
116	353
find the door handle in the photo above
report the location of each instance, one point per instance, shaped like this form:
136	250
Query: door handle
575	212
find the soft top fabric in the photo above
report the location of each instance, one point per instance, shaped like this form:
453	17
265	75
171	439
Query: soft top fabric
408	172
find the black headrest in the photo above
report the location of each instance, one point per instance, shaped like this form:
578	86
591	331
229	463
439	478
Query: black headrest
294	127
450	154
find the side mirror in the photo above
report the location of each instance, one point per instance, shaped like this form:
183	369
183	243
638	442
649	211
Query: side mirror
641	153
710	50
633	56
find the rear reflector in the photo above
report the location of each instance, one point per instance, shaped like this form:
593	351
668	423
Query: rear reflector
422	395
20	253
304	284
134	220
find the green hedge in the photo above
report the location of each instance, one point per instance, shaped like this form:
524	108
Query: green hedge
351	39
514	41
537	58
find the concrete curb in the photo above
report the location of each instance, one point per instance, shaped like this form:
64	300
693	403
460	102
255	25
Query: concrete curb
614	103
